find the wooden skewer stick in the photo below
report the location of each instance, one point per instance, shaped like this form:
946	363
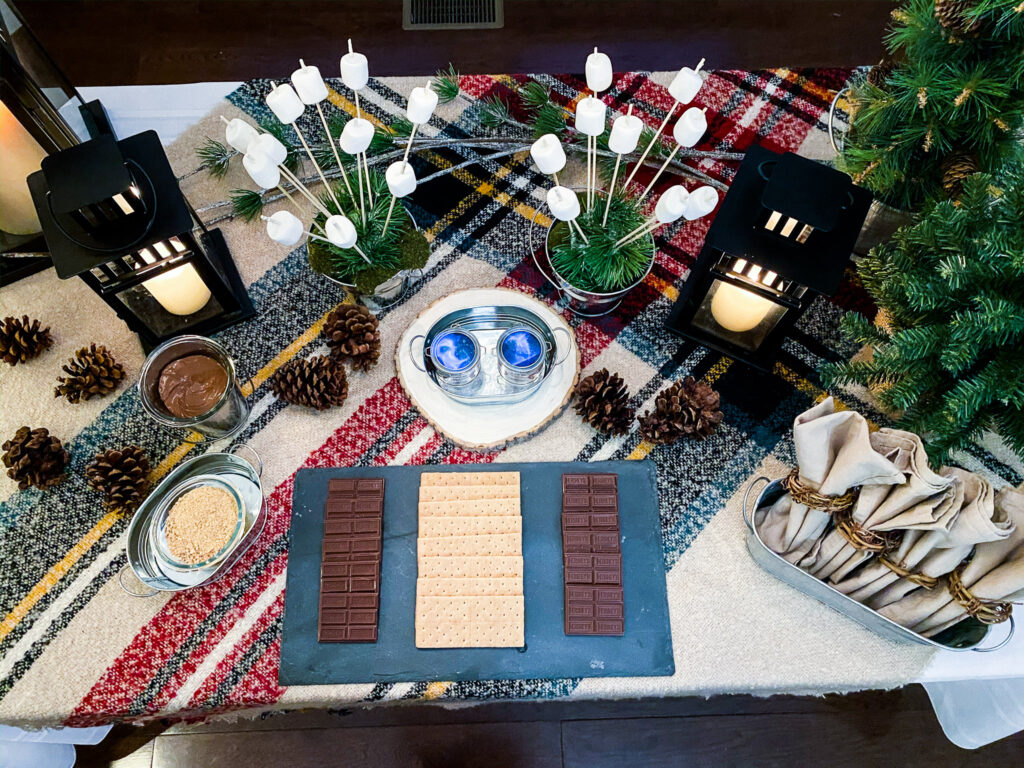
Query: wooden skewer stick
334	149
646	231
387	220
615	174
580	230
658	174
638	232
302	188
647	151
366	167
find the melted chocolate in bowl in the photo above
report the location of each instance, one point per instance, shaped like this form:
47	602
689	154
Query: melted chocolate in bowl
191	386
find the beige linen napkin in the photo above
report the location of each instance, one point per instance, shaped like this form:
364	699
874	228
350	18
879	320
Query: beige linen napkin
833	454
923	610
923	501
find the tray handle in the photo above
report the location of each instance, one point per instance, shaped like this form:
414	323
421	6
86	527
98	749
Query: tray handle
120	580
1001	643
412	341
569	340
748	516
249	454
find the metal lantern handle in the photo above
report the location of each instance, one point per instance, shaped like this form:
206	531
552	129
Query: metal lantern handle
412	341
837	146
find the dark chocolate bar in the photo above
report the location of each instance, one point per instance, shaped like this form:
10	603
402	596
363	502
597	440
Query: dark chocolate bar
591	552
351	560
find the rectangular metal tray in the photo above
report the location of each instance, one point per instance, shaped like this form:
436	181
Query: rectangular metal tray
965	636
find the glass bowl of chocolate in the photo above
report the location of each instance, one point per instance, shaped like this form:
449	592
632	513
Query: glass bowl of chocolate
198	524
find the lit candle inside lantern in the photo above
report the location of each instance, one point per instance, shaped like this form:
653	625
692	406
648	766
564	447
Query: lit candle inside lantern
738	310
20	155
181	291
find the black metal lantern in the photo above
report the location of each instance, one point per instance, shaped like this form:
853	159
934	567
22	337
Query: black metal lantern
112	213
782	236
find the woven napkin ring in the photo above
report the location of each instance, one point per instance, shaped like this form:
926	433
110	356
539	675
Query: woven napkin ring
803	494
985	611
921	579
863	538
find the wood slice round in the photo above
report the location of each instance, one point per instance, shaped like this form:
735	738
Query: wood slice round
486	427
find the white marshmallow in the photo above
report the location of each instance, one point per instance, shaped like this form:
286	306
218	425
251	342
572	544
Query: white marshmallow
340	231
401	179
285	103
685	84
590	114
239	133
356	136
625	135
355	70
548	154
701	202
422	102
284	227
309	85
563	203
690	127
266	144
671	204
599	71
261	169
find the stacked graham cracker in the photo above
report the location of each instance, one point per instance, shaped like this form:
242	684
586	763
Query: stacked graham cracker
469	590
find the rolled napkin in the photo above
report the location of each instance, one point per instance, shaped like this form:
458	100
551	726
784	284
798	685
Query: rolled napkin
834	456
994	573
923	501
936	553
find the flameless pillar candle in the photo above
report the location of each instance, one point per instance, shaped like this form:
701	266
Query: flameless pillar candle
401	179
565	206
738	310
687	132
622	140
181	291
683	88
312	89
20	155
590	119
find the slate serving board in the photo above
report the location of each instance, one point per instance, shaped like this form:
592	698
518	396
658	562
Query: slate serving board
644	650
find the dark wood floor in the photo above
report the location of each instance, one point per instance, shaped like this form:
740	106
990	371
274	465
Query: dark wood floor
894	729
116	42
108	42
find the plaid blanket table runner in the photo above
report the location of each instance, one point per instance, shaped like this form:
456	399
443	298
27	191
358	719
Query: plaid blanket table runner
77	650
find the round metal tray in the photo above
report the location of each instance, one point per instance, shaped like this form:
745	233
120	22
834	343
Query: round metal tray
243	474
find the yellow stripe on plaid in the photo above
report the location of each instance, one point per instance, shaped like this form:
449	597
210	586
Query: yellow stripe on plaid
57	572
435	690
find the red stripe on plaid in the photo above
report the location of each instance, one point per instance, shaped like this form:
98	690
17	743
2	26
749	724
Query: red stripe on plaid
259	686
388	454
429	448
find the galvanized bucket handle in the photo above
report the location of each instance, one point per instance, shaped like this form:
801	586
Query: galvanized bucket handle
413	356
568	346
836	145
254	460
748	517
120	580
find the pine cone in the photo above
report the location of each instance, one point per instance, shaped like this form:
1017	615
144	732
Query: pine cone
603	402
951	17
955	170
120	475
92	372
687	408
21	340
34	457
319	382
879	74
352	334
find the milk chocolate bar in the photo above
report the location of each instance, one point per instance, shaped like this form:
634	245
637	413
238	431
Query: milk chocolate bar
591	552
351	560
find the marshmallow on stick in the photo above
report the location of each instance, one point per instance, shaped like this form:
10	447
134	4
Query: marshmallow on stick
548	155
355	138
687	132
401	179
312	90
284	227
701	202
683	88
590	119
670	207
342	233
599	78
622	140
565	206
238	133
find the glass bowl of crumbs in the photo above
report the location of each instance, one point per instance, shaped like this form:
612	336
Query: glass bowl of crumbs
198	524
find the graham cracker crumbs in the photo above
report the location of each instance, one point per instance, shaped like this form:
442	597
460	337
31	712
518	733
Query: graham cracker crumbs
200	524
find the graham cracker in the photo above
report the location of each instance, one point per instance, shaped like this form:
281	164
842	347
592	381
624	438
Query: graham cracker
468	478
469	567
472	587
447	525
487	609
437	633
470	546
469	508
457	492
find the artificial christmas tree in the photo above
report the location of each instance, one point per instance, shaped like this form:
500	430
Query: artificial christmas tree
953	85
950	356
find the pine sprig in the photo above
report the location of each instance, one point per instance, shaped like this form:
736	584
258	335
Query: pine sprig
446	83
495	111
246	204
214	157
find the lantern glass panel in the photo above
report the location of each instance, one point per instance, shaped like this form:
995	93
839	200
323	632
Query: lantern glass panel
737	315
